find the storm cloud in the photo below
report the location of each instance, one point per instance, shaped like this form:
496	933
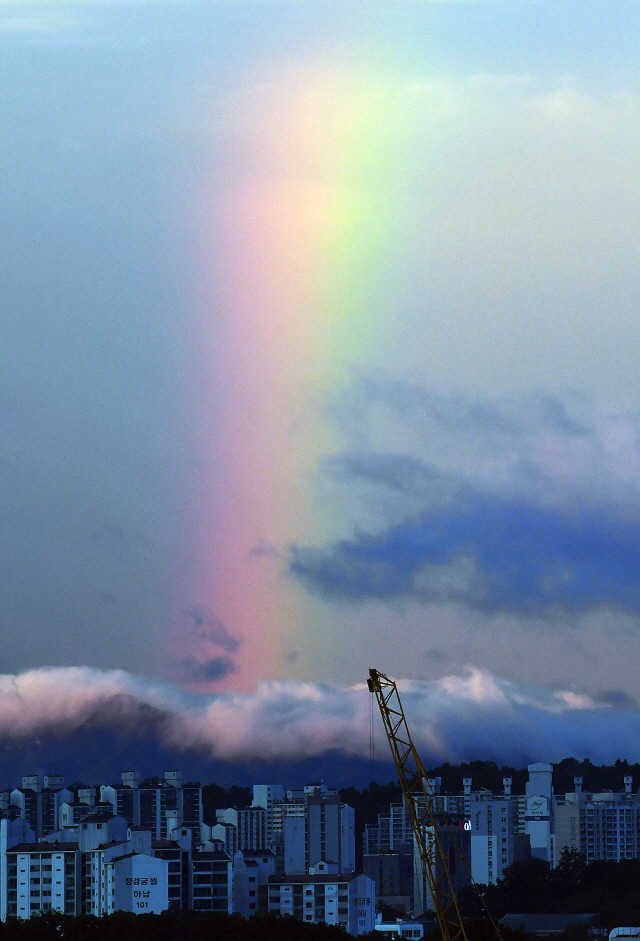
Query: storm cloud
456	718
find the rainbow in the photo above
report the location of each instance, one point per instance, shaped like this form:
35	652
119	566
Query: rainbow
303	237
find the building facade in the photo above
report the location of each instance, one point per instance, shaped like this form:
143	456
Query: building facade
347	900
496	840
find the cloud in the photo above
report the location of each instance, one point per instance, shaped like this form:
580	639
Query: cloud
264	550
522	505
399	472
550	450
459	717
208	671
490	554
210	630
617	698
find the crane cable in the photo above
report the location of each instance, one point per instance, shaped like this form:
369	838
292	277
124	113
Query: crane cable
371	742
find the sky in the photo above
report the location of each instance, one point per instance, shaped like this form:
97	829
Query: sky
319	346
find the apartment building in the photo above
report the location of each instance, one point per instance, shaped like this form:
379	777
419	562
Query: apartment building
324	895
495	838
325	832
392	873
252	870
98	862
159	805
252	828
267	796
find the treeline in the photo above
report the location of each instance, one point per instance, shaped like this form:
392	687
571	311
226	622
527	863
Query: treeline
487	774
609	890
169	926
215	798
375	798
367	804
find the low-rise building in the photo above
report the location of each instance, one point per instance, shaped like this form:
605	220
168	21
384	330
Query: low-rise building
347	900
42	878
399	929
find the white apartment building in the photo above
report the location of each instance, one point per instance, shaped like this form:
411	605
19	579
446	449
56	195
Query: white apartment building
539	811
267	795
102	865
41	878
496	841
251	873
324	895
602	825
611	828
158	806
135	882
325	832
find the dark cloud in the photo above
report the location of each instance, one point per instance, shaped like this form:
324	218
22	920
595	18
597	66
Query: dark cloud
616	698
488	554
211	630
208	671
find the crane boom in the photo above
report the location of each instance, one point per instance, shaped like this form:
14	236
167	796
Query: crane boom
418	796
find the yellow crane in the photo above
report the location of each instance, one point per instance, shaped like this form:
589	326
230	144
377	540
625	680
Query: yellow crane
418	799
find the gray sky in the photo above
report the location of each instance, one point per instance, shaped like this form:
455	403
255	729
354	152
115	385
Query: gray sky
319	331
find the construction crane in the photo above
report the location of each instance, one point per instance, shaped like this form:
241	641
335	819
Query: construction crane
418	799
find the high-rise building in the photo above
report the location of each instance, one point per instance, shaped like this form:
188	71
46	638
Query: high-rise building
539	810
326	832
252	828
251	873
495	838
39	803
158	805
611	828
392	872
455	843
267	795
